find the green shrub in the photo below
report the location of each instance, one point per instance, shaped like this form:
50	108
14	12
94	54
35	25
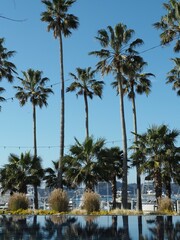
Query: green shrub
59	200
91	201
18	201
165	204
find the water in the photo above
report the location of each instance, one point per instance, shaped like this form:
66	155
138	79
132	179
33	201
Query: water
68	227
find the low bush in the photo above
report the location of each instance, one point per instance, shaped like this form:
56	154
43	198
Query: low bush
18	201
59	200
165	204
91	201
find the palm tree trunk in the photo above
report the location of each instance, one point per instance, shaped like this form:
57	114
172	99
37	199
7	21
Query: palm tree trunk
138	177
62	113
114	226
124	140
36	205
160	227
114	192
34	130
140	227
125	235
168	186
87	115
158	184
35	155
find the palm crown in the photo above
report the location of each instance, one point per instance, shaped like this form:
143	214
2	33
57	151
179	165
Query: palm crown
137	81
174	76
58	18
82	162
7	68
115	47
33	88
170	24
85	84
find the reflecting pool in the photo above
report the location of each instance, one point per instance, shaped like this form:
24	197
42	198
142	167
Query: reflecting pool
68	227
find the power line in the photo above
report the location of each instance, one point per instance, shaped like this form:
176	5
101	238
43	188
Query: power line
160	45
14	20
52	146
52	85
12	98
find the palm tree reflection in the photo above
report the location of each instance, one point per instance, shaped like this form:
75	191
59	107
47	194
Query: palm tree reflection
88	227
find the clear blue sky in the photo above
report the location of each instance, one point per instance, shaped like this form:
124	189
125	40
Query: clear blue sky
36	48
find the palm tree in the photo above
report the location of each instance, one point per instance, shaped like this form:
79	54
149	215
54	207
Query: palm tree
8	180
86	85
137	82
173	76
33	89
155	152
82	162
110	168
19	172
7	68
170	169
116	47
50	175
61	23
169	24
158	154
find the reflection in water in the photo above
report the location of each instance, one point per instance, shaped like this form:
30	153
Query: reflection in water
140	236
66	227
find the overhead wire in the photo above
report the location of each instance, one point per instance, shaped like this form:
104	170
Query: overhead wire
52	146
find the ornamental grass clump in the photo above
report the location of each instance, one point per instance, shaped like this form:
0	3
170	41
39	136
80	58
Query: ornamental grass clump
165	204
18	201
91	201
59	200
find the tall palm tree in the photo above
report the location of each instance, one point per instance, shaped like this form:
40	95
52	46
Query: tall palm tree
33	89
86	85
137	82
7	68
169	24
116	47
82	162
61	23
173	76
